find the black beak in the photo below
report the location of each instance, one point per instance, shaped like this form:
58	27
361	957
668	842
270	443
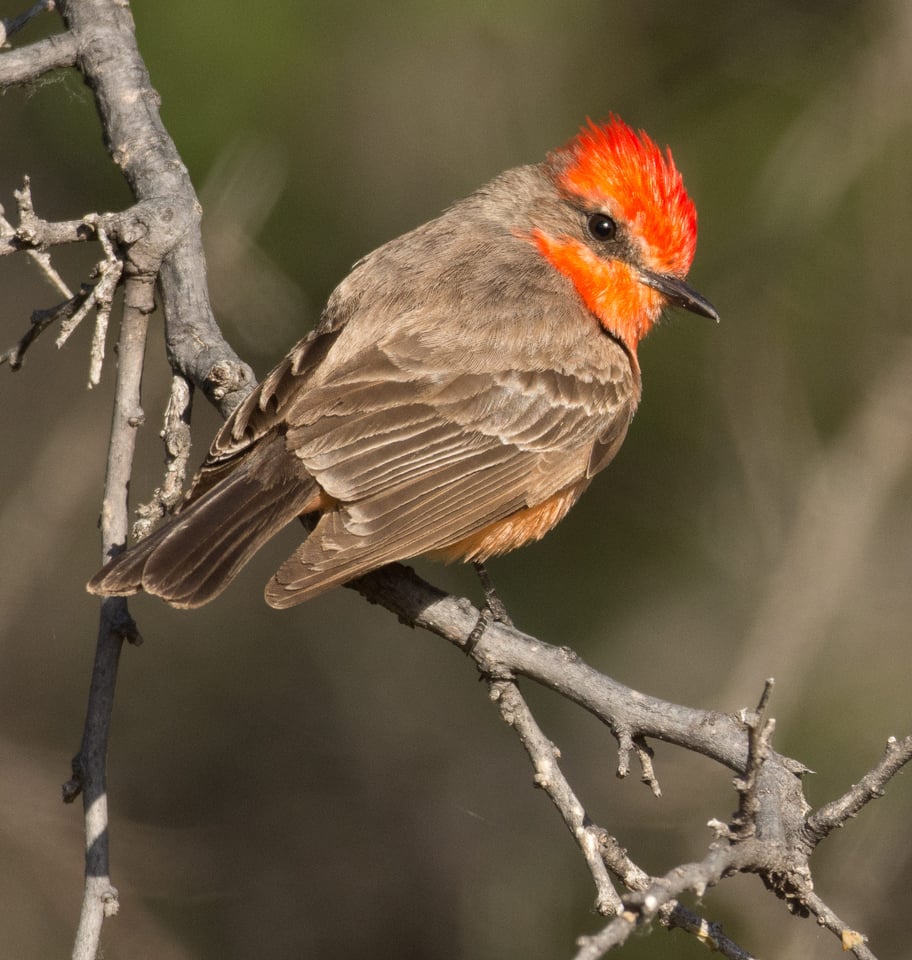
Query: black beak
679	293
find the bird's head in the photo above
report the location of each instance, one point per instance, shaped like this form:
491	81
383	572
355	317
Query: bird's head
632	231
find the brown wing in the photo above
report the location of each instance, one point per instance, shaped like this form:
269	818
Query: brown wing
404	458
192	557
419	457
262	413
247	490
405	436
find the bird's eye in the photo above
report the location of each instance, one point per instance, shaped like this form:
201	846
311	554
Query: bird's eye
601	226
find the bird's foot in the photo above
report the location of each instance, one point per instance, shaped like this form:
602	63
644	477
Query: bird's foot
493	610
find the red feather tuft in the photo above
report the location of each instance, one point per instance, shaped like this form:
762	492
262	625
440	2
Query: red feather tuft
624	172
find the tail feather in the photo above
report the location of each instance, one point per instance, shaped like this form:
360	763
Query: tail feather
330	555
121	576
195	555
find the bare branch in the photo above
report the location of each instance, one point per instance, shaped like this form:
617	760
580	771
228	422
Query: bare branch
766	837
34	235
871	786
158	238
710	934
27	64
109	272
168	237
71	313
600	850
176	437
35	232
505	651
760	732
23	237
645	755
850	940
673	915
89	767
41	320
549	777
662	893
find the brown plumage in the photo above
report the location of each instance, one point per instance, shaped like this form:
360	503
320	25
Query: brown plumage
464	385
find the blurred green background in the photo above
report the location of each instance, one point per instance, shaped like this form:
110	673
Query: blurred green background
325	781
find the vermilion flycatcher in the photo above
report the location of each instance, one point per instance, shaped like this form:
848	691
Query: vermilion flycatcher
465	383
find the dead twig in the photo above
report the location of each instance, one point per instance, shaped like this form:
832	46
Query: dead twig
40	321
108	272
176	438
549	777
871	786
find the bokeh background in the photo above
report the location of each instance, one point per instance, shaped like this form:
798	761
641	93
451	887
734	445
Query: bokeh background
327	782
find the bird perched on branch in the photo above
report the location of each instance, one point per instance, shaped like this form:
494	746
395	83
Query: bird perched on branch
464	385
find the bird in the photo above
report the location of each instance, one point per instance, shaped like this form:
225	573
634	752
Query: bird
464	384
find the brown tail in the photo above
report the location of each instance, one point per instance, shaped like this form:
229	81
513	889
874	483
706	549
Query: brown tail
191	558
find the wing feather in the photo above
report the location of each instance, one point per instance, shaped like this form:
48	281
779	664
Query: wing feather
340	548
417	465
395	424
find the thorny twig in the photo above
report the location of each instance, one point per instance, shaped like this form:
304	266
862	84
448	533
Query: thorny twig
643	907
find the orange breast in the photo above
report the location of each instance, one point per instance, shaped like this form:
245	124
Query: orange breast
522	527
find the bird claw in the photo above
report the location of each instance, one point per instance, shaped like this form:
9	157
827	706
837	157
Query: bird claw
493	610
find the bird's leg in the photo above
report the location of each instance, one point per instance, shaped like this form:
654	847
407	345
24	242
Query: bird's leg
493	609
493	604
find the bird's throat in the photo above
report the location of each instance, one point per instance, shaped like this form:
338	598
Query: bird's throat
610	289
